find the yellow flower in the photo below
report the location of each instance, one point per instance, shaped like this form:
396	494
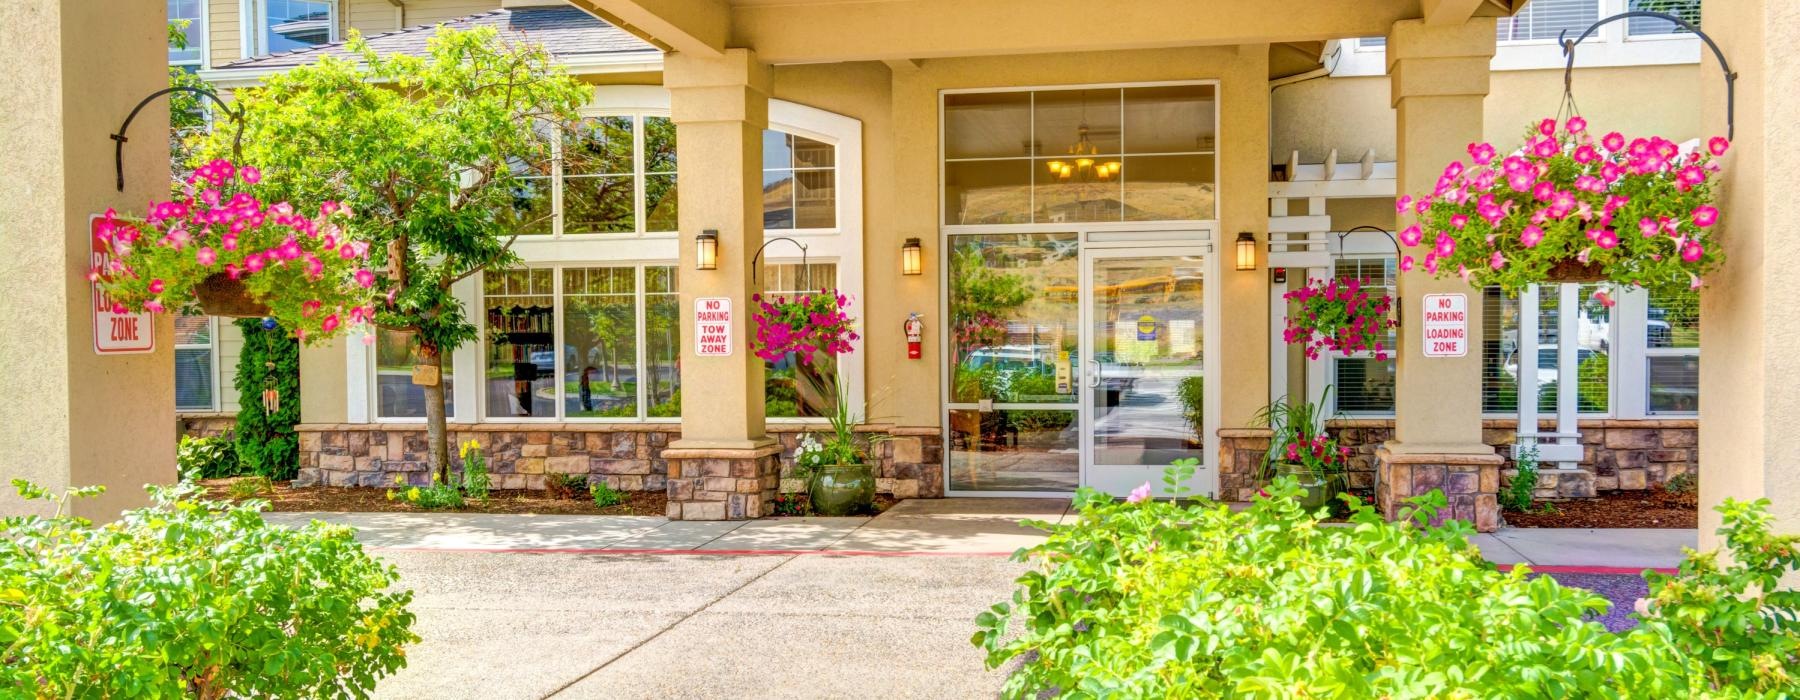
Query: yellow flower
470	445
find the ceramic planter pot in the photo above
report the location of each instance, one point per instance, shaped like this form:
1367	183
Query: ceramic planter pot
1320	489
220	295
842	489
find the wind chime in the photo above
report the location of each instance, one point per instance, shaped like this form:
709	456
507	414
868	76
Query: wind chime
271	395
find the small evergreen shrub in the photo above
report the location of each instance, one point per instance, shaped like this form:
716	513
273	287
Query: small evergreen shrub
206	457
1156	599
192	598
266	443
604	495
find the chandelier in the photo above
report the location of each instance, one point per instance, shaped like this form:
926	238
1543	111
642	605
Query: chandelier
1082	167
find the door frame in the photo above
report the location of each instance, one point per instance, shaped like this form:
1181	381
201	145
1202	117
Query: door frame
1201	236
1206	479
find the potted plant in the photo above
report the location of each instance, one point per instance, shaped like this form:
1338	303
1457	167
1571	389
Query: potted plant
1300	448
839	478
1338	316
1570	207
239	256
815	328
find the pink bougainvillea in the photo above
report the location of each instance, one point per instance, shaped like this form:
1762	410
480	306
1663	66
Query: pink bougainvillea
1638	210
300	263
803	325
1338	316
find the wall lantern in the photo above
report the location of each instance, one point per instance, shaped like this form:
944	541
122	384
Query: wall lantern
911	257
706	250
1246	251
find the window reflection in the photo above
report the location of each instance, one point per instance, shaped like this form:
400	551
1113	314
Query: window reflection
520	310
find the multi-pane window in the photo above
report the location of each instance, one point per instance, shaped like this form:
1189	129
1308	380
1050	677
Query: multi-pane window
582	342
286	25
187	11
1501	352
1080	155
1687	10
194	359
799	182
608	175
1545	20
1672	352
1362	383
396	396
791	388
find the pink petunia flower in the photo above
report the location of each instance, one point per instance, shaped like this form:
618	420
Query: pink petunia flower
1613	141
1531	236
1705	216
1576	125
1717	145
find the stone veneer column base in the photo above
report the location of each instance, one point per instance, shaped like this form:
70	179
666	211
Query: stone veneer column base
1470	482
711	484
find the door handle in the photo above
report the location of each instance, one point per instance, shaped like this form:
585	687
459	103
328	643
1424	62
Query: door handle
1093	379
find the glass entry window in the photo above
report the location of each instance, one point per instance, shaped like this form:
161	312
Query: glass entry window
1145	380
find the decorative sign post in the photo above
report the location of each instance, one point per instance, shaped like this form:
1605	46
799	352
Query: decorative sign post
1446	325
116	333
712	326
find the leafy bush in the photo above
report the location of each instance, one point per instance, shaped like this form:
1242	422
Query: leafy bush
476	482
604	495
206	457
792	504
1156	599
438	496
565	486
1519	492
191	598
250	487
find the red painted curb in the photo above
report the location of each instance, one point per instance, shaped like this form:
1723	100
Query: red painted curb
690	552
1614	570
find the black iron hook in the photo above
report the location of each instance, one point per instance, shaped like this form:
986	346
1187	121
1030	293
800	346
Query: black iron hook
805	269
119	139
1568	48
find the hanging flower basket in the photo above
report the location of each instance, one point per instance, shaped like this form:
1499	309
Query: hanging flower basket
803	325
1570	207
1339	316
221	294
220	244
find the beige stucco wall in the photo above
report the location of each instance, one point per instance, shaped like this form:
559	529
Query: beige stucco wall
73	417
914	189
1353	114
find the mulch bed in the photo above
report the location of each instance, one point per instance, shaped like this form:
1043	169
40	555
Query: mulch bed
340	499
1655	508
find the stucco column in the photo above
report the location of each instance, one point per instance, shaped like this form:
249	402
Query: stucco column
723	465
1750	325
1439	78
69	415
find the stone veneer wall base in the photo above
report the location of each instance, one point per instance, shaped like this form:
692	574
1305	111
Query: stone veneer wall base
723	484
1470	482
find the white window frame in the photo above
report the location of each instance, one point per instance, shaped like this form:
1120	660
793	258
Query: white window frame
252	20
204	44
1609	47
367	358
212	349
842	245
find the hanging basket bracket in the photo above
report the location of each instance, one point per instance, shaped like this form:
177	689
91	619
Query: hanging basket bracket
1568	48
119	139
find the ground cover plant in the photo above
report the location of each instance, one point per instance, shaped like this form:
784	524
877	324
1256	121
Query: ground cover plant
190	598
1156	599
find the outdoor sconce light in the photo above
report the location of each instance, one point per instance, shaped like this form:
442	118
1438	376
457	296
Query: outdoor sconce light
1246	251
706	250
911	254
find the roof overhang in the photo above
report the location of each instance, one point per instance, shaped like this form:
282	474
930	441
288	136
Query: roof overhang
596	64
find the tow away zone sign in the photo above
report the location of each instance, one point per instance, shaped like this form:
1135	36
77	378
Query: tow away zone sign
1446	325
712	326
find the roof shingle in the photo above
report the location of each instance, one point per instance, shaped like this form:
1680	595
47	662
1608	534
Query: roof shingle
564	31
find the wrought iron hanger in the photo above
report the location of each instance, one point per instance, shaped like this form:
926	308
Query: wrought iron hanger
119	139
805	269
1568	48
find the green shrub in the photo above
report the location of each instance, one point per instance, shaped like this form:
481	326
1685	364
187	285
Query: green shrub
438	496
604	495
1519	492
565	486
250	487
206	457
191	598
476	482
266	443
1161	600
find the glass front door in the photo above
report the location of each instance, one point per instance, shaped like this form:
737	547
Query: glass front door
1074	363
1144	388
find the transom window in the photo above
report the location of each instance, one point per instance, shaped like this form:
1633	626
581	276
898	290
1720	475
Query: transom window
1136	153
285	25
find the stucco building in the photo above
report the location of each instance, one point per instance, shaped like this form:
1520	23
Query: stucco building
1154	174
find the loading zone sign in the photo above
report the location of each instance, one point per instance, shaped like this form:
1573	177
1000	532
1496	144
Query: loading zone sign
116	333
712	326
1446	325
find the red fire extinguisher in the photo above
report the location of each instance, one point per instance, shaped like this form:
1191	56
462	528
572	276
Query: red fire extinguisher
915	331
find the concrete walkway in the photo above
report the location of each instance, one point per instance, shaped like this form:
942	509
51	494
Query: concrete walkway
969	526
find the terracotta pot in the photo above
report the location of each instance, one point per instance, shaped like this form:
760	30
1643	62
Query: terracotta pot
842	489
220	295
1575	271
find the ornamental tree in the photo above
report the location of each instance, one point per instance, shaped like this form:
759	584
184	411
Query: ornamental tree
433	154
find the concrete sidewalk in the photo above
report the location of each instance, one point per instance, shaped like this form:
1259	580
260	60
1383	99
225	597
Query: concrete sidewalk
971	526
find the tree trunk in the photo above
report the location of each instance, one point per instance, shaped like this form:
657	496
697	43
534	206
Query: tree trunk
436	432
